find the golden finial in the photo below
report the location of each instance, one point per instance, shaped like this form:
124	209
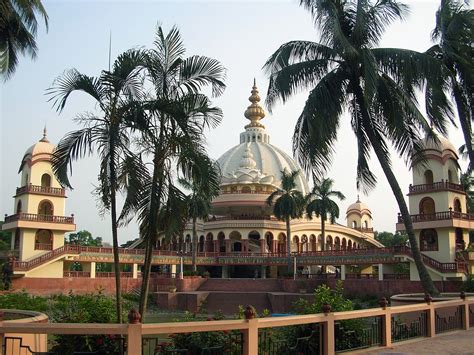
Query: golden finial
45	138
254	112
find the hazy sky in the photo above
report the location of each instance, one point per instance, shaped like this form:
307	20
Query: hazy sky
240	34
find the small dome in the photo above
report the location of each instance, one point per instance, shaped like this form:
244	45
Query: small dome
41	147
359	208
442	147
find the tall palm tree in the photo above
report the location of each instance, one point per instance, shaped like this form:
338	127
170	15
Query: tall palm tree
377	85
288	203
18	27
453	34
104	133
176	114
199	202
320	204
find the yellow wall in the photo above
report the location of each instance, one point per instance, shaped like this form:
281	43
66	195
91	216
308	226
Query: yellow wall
27	243
53	270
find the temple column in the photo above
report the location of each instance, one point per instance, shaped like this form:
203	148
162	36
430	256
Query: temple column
225	272
245	243
274	245
135	271
263	272
173	270
216	246
228	246
92	270
343	272
380	272
263	242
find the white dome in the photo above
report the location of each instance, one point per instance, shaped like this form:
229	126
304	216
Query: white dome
442	147
43	146
262	166
359	208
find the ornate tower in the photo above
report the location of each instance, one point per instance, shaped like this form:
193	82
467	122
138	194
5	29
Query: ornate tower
38	223
437	202
359	217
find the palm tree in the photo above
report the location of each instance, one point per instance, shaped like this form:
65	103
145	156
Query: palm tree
288	203
199	202
172	131
321	205
376	85
18	26
114	93
453	36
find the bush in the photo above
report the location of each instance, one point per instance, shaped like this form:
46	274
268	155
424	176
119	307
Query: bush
190	273
468	285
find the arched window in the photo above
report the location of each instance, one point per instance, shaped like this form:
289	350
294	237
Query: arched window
246	190
428	240
427	206
18	207
460	244
43	239
26	179
457	205
312	240
45	208
269	240
344	243
46	180
233	189
236	238
450	176
428	177
296	244
281	243
304	243
201	244
366	225
354	224
329	243
16	243
209	242
337	243
349	244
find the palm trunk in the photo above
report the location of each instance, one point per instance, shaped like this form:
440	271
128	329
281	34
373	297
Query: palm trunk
427	283
113	211
323	241
464	119
288	244
195	241
157	185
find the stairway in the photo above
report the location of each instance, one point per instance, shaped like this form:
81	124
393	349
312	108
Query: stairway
241	285
228	302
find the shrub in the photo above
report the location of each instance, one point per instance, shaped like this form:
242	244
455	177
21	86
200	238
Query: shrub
468	285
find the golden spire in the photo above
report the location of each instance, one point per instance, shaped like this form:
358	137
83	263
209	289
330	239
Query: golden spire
254	112
45	138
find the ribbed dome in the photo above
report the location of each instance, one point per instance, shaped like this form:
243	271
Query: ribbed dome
359	208
43	146
441	147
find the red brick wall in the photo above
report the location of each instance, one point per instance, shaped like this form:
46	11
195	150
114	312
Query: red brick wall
79	285
241	285
189	284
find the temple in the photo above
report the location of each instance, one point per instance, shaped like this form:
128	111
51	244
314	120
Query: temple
242	238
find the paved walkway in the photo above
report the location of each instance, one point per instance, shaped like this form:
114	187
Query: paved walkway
454	343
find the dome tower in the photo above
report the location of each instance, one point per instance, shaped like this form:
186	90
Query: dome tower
359	217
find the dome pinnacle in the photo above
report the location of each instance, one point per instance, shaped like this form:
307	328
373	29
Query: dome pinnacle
45	138
254	112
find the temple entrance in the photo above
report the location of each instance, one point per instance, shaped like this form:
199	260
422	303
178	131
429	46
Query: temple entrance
244	271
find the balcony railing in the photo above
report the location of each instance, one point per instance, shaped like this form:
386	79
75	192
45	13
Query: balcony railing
438	216
30	217
77	274
327	334
43	190
43	246
363	229
437	186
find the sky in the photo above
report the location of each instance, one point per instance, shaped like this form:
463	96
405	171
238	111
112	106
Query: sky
240	34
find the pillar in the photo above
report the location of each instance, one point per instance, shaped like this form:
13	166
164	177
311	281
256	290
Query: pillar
173	270
245	243
343	272
228	246
274	246
135	271
380	272
263	272
262	245
225	272
92	270
216	246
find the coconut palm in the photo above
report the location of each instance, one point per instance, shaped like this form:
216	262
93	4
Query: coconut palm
172	132
199	201
320	204
288	203
377	85
18	27
104	132
453	35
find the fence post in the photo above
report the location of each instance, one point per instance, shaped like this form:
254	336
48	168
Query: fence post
431	317
386	323
329	342
134	333
251	333
465	312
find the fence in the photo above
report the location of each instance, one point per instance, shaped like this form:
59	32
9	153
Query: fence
327	333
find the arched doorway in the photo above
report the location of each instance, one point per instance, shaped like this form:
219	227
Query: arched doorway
221	240
18	207
349	245
209	242
428	177
296	244
269	242
45	208
457	205
329	245
281	243
236	241
427	206
254	242
428	240
312	239
43	239
337	243
201	244
46	180
246	190
304	243
460	244
344	243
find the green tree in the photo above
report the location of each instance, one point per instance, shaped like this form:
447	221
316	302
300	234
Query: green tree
18	27
175	115
199	202
467	182
84	238
105	133
389	239
346	70
288	203
321	204
453	35
5	238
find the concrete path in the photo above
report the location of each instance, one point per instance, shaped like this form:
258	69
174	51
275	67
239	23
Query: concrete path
453	343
